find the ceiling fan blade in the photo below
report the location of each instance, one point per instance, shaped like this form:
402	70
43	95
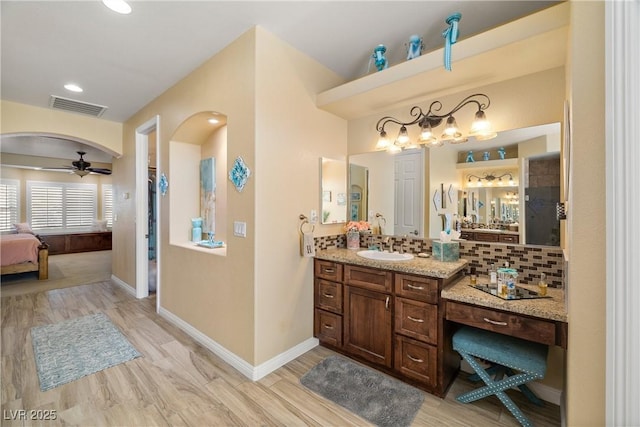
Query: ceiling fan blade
100	171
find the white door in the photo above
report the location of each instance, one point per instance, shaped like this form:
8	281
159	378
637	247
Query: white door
408	217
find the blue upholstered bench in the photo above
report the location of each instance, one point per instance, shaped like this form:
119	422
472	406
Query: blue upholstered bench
508	354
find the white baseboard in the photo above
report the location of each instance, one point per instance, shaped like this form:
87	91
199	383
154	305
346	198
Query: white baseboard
544	392
254	373
123	285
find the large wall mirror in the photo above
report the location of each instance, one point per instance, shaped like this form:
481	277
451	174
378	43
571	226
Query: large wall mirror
414	192
333	191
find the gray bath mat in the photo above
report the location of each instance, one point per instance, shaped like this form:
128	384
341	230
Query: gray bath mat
370	394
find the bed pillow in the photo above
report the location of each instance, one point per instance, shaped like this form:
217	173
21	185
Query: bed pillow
24	228
100	225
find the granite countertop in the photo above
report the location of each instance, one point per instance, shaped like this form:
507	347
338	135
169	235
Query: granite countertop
553	308
420	266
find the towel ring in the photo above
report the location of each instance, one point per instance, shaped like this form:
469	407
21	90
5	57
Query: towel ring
302	224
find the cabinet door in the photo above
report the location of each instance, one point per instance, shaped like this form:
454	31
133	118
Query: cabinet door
367	325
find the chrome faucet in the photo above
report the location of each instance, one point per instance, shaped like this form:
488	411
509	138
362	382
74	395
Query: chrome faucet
387	240
403	245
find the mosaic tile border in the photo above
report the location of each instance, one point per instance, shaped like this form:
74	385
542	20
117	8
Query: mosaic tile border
530	261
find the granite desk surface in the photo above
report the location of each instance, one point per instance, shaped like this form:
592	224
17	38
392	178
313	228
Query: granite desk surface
417	265
553	308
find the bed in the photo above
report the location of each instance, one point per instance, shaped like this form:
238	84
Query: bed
24	252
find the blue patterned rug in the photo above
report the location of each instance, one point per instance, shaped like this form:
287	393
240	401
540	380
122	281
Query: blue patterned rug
72	349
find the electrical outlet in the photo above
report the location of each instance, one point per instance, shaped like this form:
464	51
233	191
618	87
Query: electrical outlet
314	216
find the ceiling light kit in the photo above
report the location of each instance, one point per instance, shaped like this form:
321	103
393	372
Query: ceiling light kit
119	6
480	128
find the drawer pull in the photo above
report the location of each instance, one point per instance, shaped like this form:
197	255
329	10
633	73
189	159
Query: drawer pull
415	359
328	327
494	322
413	319
327	295
386	303
417	288
328	270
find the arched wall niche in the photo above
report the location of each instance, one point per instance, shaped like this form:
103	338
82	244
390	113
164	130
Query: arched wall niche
200	137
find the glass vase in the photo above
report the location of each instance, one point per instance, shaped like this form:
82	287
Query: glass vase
353	240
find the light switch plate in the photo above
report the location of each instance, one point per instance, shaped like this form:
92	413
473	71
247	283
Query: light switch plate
239	229
314	216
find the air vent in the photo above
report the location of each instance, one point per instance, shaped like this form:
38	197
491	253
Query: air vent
66	104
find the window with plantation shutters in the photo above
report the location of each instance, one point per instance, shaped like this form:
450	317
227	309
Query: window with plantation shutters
107	204
54	206
9	203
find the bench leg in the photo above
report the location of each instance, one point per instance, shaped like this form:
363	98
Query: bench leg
497	388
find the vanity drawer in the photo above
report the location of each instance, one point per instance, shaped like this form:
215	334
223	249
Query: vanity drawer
417	287
328	327
416	360
417	320
509	238
328	295
368	278
487	237
328	270
517	325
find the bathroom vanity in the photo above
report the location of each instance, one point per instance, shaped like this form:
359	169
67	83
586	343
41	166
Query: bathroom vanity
388	315
399	317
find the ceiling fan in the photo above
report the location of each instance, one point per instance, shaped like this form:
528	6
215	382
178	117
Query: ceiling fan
81	167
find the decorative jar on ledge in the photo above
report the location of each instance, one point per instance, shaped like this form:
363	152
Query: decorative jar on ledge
353	240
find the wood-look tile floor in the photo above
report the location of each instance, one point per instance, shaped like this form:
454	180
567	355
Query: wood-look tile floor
177	382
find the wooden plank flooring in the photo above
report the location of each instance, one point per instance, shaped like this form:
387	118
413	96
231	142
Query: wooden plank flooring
177	382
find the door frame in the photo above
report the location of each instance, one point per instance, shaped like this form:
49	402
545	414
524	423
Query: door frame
142	208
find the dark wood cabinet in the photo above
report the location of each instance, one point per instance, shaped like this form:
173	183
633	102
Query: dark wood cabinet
390	320
77	242
367	325
489	236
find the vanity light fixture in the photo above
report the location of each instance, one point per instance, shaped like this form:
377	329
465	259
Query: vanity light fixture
480	128
490	178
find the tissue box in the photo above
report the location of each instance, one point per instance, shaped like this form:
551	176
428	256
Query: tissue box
442	251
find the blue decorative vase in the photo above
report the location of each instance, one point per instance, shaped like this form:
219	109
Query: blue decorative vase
470	157
380	60
485	156
196	234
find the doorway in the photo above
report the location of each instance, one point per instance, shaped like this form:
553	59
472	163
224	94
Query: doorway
147	208
408	193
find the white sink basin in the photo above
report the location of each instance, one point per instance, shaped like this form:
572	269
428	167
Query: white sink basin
384	256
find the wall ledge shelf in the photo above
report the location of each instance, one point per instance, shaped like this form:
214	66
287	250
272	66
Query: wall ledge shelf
502	53
489	164
192	246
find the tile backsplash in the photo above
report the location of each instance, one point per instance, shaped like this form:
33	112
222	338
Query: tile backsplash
530	261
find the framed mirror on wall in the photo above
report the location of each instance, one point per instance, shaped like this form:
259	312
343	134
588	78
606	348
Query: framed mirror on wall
532	158
333	191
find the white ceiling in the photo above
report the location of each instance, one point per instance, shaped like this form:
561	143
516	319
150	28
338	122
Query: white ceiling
125	61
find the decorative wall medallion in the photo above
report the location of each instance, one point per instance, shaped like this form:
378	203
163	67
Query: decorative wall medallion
163	184
239	173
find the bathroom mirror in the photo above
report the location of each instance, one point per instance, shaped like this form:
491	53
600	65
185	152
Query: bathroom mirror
533	157
333	191
358	193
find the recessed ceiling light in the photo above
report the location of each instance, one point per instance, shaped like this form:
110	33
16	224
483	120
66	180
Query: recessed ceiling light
119	6
73	87
214	121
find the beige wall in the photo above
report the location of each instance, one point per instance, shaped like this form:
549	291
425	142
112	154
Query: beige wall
586	367
99	133
291	136
255	301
